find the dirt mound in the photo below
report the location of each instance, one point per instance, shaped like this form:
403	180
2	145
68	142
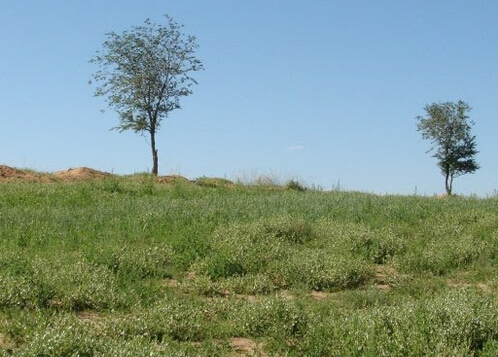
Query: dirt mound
81	173
8	173
172	179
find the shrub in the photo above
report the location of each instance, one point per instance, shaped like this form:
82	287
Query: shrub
79	285
288	228
64	337
137	261
273	316
167	319
442	256
319	270
375	245
295	186
455	323
237	250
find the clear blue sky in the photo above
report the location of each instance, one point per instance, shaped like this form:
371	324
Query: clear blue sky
325	92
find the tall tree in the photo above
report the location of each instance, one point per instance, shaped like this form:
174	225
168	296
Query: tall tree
143	73
448	127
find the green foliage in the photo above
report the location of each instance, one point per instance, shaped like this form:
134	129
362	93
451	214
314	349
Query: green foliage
250	248
376	245
137	262
66	337
320	270
458	323
143	74
295	185
447	127
172	319
273	316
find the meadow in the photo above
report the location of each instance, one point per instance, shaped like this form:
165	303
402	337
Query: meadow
127	266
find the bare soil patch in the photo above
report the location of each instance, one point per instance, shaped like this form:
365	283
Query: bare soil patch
484	287
5	343
81	173
459	283
172	179
319	295
172	283
8	173
246	347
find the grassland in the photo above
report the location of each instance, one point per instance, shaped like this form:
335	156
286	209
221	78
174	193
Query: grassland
131	267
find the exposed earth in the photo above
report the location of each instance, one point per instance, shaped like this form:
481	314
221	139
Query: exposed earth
8	173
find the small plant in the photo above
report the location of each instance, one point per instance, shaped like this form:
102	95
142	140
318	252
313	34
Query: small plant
112	185
295	185
171	319
272	316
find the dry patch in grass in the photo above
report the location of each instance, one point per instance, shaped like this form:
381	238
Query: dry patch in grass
459	283
90	316
383	275
172	283
484	287
5	343
246	347
319	295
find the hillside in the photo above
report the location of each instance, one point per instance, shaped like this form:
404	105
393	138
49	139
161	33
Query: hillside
133	266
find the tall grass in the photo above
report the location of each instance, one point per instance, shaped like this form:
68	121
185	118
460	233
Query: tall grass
128	266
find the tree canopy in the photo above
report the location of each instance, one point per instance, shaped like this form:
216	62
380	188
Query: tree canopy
143	73
448	127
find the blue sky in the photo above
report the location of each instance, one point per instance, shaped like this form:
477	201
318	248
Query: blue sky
325	92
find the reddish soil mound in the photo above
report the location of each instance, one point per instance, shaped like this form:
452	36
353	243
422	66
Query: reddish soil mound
81	173
8	173
11	174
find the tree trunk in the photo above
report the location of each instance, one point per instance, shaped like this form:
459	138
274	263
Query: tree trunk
448	183
154	153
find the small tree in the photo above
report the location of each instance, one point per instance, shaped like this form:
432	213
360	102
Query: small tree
143	73
448	128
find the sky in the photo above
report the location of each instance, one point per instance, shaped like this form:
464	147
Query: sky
321	91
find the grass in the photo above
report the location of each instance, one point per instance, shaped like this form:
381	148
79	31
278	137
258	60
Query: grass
126	266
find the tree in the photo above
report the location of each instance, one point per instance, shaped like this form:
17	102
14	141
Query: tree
143	73
448	128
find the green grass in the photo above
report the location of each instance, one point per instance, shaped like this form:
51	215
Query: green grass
129	267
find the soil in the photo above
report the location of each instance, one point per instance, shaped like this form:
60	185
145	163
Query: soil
81	173
319	295
8	173
172	179
246	347
5	343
